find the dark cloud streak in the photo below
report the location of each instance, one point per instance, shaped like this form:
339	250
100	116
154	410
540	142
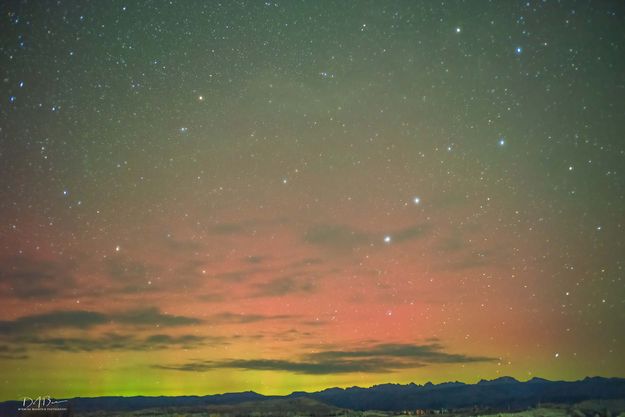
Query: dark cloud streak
379	358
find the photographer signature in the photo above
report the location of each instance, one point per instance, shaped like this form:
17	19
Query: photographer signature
40	402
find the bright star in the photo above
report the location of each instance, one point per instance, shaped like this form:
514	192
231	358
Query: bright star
518	50
417	200
458	30
502	141
387	239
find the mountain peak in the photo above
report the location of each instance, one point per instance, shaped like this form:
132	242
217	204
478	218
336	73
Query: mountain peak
500	380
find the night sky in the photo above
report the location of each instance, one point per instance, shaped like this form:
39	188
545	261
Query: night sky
199	197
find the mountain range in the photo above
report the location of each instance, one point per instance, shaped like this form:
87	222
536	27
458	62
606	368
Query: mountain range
500	393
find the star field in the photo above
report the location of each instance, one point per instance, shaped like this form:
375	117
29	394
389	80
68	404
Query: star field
204	197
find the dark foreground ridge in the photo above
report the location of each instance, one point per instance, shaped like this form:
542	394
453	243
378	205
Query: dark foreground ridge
501	393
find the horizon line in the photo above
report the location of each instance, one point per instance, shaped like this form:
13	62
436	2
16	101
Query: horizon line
331	387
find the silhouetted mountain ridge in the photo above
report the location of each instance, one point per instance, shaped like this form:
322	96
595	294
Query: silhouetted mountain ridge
501	393
498	393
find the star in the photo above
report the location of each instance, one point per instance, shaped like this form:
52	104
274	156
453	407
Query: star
387	239
416	200
117	248
458	29
518	50
502	142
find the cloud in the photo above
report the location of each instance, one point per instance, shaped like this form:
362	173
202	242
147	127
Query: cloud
12	352
29	278
227	317
473	259
410	233
254	259
239	275
291	335
378	358
340	237
122	269
130	276
307	262
187	367
310	368
244	227
49	330
284	285
316	322
452	244
179	245
335	236
111	341
164	339
212	297
81	319
427	353
114	341
53	320
152	316
227	229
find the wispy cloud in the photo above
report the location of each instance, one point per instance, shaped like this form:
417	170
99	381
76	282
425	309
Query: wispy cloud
114	341
377	358
289	284
50	331
427	353
410	233
82	319
228	317
227	228
182	245
344	238
53	320
152	316
254	259
29	278
311	368
12	352
335	236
